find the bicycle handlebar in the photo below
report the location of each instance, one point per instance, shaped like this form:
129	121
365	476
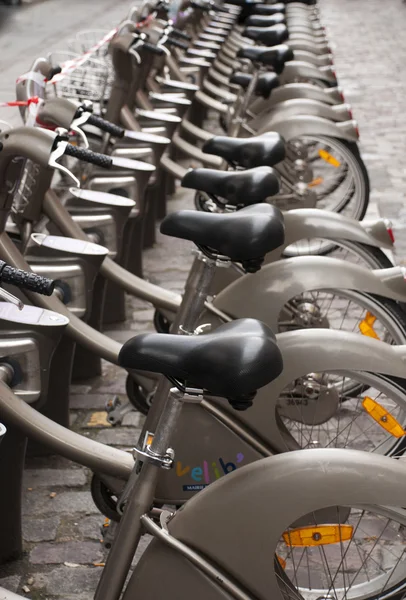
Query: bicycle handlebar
101	160
181	34
177	43
152	48
106	126
26	280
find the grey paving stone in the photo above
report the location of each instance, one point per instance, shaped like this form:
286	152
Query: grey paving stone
134	419
89	527
72	552
65	580
143	316
374	83
10	583
35	503
80	388
35	478
88	401
40	530
118	437
112	385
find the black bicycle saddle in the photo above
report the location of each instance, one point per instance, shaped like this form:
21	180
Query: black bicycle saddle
237	187
268	36
243	236
266	82
234	361
275	57
256	151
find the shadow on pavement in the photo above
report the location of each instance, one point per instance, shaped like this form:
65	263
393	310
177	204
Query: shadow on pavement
5	13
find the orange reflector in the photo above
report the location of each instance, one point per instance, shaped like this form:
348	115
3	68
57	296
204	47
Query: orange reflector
329	158
281	561
383	417
316	182
318	536
366	326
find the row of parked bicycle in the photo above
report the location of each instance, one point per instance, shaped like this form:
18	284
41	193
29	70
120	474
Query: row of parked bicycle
290	334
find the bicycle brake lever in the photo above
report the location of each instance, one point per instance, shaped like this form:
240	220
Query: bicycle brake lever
75	126
134	53
161	43
57	153
5	295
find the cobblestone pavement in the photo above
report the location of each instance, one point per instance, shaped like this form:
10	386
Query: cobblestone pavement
61	524
369	49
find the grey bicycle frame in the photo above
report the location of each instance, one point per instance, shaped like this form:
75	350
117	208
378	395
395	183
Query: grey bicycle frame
205	526
214	523
200	547
291	119
224	433
264	295
290	91
189	531
341	275
299	274
283	109
234	436
310	223
289	128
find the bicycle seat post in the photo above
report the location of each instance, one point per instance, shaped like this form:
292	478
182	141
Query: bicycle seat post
164	413
196	291
243	105
194	298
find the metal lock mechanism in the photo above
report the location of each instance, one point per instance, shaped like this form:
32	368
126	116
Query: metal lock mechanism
101	215
75	263
28	338
127	177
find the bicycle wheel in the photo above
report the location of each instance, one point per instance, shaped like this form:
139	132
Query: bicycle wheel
357	410
352	554
354	252
338	177
346	310
138	395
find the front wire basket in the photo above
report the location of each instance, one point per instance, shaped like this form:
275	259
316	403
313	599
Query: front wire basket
87	81
87	39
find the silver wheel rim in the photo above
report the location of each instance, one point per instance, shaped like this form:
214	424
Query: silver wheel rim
351	426
353	570
341	249
354	207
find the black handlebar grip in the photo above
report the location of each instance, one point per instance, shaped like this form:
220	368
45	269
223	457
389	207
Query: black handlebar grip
101	160
154	49
25	280
200	6
54	71
181	34
177	43
106	126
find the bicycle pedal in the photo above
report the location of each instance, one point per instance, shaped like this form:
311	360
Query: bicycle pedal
112	404
108	531
116	411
